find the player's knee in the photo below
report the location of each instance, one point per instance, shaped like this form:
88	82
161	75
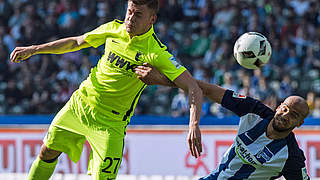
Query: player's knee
48	154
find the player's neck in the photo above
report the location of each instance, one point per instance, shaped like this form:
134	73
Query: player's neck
271	133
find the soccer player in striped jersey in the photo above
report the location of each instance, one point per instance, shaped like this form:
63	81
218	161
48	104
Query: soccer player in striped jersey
100	110
265	146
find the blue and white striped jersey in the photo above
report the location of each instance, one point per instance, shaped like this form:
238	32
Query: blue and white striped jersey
253	155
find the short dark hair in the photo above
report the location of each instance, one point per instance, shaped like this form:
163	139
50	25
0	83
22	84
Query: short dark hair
152	4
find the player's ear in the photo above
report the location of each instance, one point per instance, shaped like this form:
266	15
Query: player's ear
153	18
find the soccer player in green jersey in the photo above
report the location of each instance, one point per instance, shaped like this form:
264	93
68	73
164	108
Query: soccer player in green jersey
100	110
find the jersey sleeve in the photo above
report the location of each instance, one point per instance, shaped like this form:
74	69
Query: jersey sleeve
166	63
295	172
242	105
98	36
294	167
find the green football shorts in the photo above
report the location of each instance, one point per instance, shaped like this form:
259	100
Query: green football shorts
74	124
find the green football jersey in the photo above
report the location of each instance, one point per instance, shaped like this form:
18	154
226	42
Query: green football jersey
112	87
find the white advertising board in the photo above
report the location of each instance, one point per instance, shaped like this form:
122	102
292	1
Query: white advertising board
147	152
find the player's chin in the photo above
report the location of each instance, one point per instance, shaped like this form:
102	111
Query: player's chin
280	127
277	125
130	29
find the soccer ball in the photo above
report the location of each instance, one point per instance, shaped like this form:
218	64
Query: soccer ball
252	50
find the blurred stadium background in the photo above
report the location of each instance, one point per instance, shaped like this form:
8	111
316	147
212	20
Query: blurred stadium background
201	34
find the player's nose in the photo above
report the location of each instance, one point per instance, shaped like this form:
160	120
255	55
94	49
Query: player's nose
130	18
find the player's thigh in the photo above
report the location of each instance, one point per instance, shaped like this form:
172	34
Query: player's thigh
107	148
63	140
65	134
67	119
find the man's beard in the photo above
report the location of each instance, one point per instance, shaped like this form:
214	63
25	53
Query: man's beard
275	127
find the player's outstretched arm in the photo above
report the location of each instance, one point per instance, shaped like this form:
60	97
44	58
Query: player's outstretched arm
211	91
186	82
60	46
152	76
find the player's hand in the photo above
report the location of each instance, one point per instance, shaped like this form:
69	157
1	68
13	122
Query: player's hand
147	74
194	140
21	53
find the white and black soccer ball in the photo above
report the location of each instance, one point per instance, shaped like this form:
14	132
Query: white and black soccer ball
252	50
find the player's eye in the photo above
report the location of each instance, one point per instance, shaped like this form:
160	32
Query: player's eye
284	109
138	15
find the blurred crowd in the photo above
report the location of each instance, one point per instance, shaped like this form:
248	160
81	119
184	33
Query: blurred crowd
200	33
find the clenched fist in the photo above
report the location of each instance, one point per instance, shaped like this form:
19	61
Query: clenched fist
22	53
